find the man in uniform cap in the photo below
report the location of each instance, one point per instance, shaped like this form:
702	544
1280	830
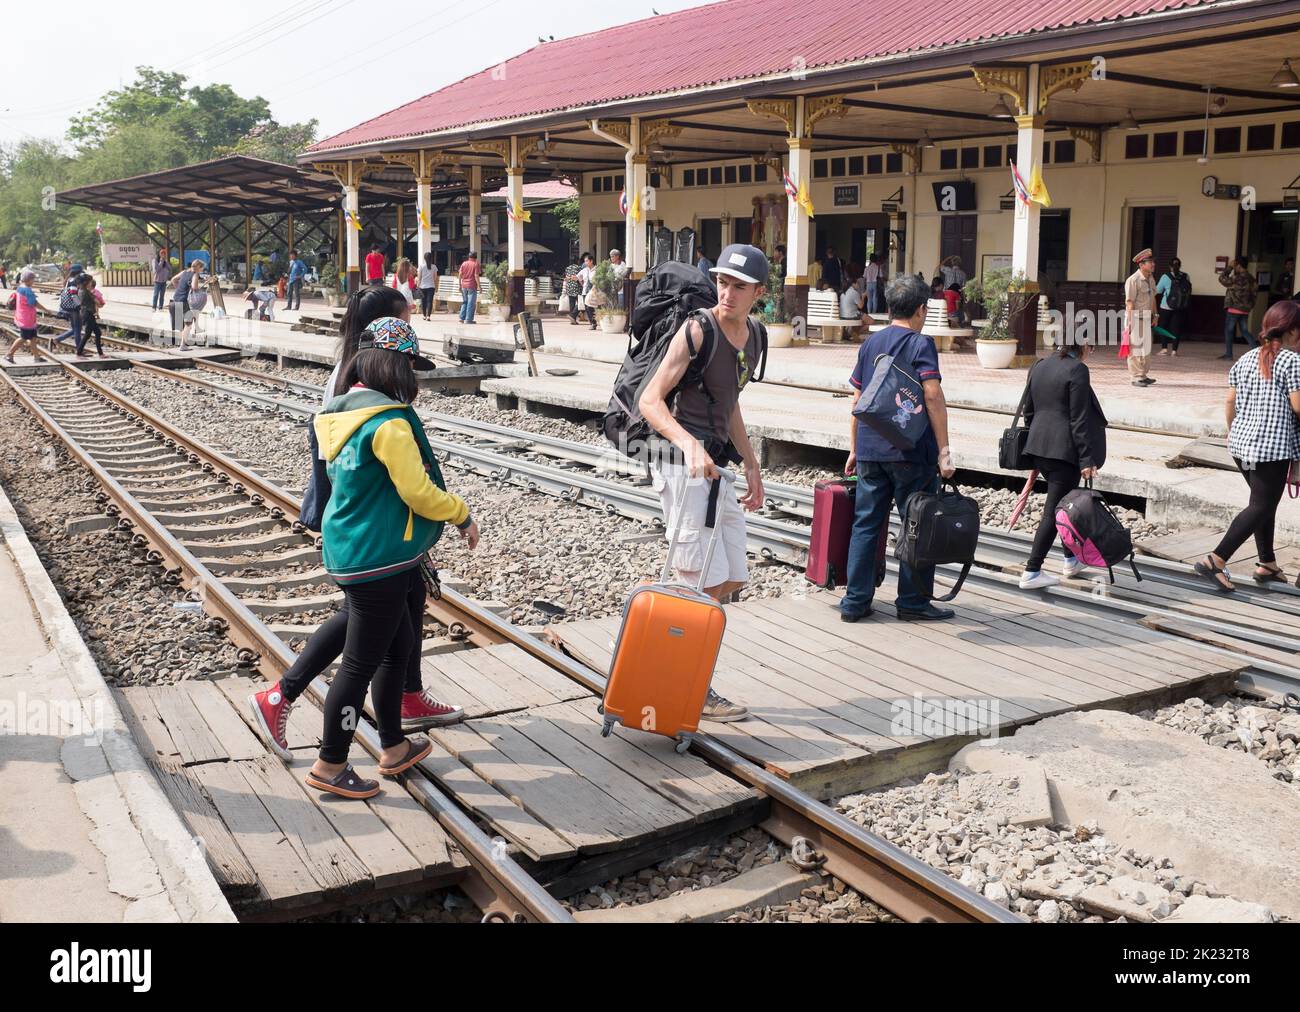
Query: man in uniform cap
1141	313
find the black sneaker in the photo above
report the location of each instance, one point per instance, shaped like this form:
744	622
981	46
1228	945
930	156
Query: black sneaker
846	616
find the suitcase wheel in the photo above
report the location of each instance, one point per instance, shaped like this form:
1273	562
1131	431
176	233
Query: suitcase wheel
683	745
606	728
600	708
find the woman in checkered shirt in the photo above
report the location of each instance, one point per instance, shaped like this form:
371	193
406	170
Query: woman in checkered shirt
1263	439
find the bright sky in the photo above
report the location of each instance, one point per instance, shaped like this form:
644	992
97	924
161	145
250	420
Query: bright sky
340	61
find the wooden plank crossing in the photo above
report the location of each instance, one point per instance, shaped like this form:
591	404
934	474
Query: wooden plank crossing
825	695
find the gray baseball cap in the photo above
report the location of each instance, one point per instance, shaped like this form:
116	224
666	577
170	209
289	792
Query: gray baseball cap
745	263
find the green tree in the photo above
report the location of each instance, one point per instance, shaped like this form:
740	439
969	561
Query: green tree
276	142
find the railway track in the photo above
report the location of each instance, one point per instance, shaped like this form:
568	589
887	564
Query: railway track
599	477
209	521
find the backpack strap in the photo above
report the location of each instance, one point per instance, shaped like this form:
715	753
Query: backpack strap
1133	566
956	588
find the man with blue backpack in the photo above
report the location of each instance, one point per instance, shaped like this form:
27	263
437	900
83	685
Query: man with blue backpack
70	306
904	451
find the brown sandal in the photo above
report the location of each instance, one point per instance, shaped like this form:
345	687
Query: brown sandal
415	751
1273	574
346	785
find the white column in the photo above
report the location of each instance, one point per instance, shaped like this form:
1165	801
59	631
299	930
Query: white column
1029	152
797	252
515	233
637	179
352	205
423	204
475	207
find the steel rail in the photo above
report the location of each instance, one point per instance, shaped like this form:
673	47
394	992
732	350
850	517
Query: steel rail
514	888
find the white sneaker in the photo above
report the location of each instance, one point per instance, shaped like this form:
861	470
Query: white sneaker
1072	568
1038	580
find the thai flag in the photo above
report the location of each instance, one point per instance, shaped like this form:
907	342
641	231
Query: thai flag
791	190
622	203
1022	191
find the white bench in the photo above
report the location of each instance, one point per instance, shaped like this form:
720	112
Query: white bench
1046	327
824	313
936	325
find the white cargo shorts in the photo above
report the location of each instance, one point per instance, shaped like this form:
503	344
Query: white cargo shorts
730	562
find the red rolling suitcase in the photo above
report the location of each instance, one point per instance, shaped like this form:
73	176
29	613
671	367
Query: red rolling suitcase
832	528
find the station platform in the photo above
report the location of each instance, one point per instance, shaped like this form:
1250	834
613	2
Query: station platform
86	835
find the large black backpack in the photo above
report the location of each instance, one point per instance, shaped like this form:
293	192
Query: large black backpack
665	298
1179	295
939	528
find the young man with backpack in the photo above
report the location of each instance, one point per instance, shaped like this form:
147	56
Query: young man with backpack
1175	291
887	473
691	403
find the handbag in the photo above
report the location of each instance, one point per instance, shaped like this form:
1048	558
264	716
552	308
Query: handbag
565	304
893	403
1293	479
939	528
1011	447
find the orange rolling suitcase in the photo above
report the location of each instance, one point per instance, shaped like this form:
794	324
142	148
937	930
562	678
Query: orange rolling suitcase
666	650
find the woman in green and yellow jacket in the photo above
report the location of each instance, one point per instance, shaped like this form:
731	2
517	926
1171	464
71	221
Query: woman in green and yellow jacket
386	510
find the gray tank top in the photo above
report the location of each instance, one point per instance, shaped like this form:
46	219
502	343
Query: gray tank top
705	411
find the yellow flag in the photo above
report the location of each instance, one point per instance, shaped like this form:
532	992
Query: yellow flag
804	200
636	207
424	218
1037	188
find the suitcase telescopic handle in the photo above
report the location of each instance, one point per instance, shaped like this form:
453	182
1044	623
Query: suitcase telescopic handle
710	521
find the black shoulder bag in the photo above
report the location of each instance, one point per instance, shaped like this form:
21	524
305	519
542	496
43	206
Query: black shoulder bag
1011	447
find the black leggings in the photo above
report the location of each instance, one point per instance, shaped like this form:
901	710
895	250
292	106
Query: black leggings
376	656
1267	480
426	300
90	329
327	642
1062	477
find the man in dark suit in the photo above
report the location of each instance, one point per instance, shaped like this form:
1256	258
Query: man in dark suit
1067	440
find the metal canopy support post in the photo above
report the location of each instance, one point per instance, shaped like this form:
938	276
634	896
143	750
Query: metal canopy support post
248	250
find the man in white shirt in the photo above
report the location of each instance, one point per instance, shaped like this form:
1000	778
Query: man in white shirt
871	277
620	272
851	305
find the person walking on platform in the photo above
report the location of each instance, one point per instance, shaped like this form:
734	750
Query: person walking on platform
1238	301
470	271
1175	291
1067	441
704	430
1141	317
387	508
420	710
89	317
428	285
887	474
1263	439
297	272
374	266
162	273
25	303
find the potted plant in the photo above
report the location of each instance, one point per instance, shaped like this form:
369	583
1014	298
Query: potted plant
1003	295
329	283
605	287
497	276
772	311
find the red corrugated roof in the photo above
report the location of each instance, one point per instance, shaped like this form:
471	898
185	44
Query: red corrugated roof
729	41
550	189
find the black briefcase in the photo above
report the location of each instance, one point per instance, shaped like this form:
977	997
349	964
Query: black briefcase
1011	447
940	528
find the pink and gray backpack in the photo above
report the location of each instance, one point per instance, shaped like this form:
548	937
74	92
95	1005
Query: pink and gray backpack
1092	532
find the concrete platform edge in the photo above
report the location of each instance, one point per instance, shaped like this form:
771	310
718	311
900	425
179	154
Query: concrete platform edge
190	886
